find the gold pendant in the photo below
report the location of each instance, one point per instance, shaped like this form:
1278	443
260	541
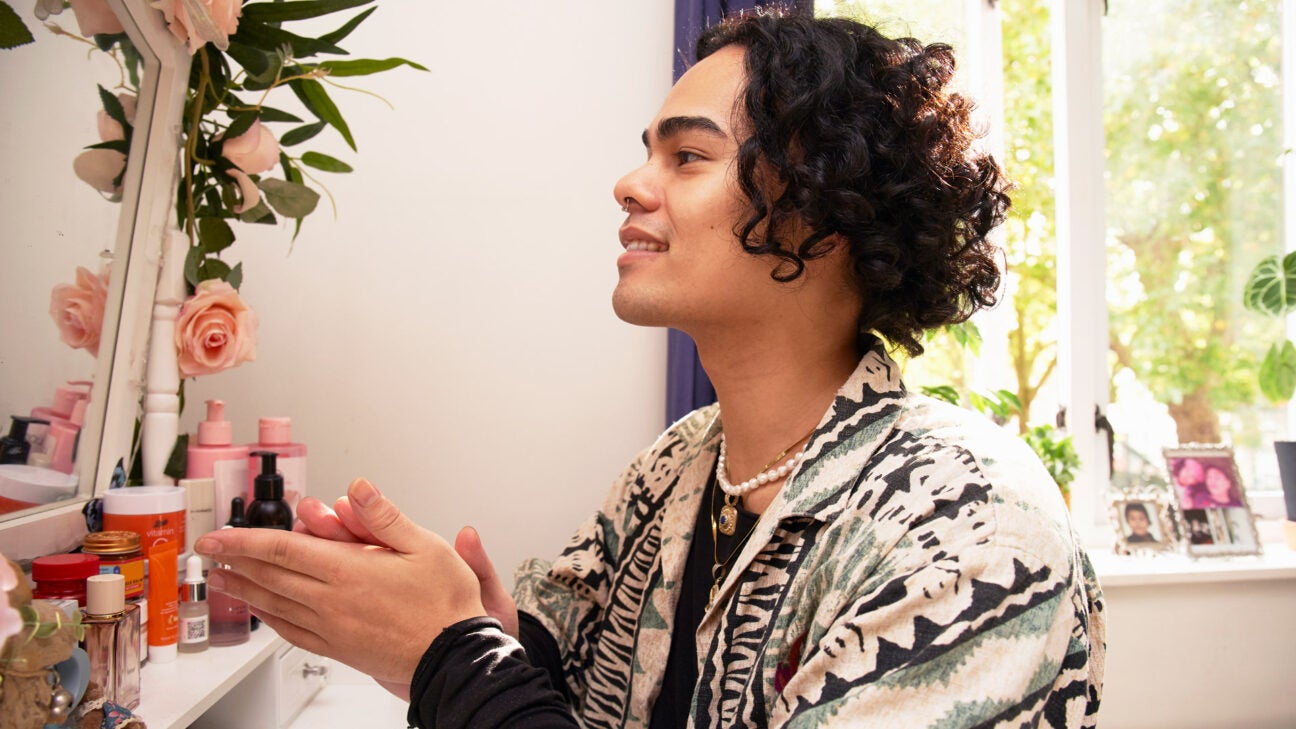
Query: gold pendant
715	589
728	522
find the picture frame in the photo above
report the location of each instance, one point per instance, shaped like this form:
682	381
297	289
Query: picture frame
1211	504
1144	523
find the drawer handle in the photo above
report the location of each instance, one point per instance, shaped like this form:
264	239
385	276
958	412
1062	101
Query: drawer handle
309	670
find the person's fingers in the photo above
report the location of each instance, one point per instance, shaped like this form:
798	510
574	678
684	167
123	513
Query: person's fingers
385	522
351	520
318	520
295	634
267	594
294	551
494	596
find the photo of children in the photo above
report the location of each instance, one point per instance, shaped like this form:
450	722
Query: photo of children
1142	523
1214	516
1138	524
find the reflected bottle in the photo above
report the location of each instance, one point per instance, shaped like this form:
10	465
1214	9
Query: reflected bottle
231	623
112	630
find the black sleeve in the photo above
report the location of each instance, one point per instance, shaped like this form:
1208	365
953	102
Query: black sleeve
542	651
475	676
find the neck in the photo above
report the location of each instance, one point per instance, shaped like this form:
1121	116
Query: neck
773	390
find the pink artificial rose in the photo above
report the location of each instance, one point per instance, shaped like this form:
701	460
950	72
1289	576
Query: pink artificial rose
11	622
215	330
253	151
78	310
94	17
99	167
213	21
109	129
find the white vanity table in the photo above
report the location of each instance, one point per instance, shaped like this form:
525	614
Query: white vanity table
263	684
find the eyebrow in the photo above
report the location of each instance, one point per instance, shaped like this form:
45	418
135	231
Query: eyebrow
671	126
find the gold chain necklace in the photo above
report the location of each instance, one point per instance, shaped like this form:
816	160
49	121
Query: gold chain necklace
718	567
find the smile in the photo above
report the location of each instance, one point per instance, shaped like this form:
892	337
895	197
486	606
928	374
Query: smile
645	245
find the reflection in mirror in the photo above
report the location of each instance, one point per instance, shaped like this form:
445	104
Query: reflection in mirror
62	236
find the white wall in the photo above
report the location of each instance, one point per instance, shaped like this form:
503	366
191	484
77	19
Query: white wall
450	336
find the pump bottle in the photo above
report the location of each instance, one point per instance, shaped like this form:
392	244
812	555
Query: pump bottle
15	447
268	510
215	456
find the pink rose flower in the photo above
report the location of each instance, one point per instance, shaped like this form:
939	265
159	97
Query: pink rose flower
78	310
99	167
11	622
94	17
253	151
215	330
109	129
212	21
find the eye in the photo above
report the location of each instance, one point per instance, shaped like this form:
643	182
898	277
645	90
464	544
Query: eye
684	156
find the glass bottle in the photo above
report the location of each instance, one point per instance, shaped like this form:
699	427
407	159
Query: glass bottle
112	628
194	623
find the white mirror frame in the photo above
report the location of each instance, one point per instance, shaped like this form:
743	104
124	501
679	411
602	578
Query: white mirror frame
148	189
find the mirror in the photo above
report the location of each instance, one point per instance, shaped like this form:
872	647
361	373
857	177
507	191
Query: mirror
54	224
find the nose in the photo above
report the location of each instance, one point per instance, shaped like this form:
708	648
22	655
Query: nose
636	190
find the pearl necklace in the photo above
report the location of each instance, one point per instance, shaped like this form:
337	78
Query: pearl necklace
771	475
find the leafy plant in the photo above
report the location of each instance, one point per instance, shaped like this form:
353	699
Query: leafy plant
1271	290
1058	453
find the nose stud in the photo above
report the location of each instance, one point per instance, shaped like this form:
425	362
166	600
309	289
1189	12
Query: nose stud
626	207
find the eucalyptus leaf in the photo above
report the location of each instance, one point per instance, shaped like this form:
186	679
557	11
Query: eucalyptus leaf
1278	372
316	98
106	41
114	108
1271	288
345	30
255	61
177	463
366	66
242	122
291	199
260	35
269	114
215	234
278	12
13	31
301	134
324	162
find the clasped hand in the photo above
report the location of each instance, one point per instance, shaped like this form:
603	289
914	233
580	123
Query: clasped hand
361	583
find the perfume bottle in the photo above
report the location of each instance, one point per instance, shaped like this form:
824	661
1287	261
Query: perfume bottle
194	623
112	629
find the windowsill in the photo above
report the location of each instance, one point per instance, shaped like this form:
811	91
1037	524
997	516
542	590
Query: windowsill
1114	570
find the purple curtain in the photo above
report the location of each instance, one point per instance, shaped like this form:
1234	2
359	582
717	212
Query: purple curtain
687	385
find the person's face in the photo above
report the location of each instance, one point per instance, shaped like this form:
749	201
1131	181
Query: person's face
683	266
1138	522
1190	472
1218	484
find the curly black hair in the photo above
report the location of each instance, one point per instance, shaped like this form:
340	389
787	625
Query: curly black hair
861	141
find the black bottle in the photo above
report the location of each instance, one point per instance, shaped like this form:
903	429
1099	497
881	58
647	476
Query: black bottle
268	510
14	447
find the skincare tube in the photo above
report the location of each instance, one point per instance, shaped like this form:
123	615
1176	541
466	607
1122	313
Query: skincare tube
163	603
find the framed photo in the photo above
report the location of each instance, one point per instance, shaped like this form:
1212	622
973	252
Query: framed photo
1211	502
1143	523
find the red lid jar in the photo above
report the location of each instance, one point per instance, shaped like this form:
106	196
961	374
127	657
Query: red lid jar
60	576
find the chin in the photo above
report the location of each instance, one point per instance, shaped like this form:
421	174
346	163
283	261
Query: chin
638	309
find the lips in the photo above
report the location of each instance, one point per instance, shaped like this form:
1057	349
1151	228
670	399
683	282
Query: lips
637	239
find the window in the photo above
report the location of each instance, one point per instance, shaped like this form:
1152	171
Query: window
1146	143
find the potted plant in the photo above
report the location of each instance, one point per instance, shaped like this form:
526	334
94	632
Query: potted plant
1271	291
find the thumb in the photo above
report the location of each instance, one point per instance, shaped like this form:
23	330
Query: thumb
385	522
468	545
497	600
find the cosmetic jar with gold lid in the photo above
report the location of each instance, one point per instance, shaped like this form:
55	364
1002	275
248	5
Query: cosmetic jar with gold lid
119	553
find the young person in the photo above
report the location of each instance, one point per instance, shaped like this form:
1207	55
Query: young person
820	548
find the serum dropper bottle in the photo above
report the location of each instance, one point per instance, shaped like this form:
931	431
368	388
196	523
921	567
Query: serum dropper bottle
195	624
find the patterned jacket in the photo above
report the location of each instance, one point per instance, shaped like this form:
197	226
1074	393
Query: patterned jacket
917	570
